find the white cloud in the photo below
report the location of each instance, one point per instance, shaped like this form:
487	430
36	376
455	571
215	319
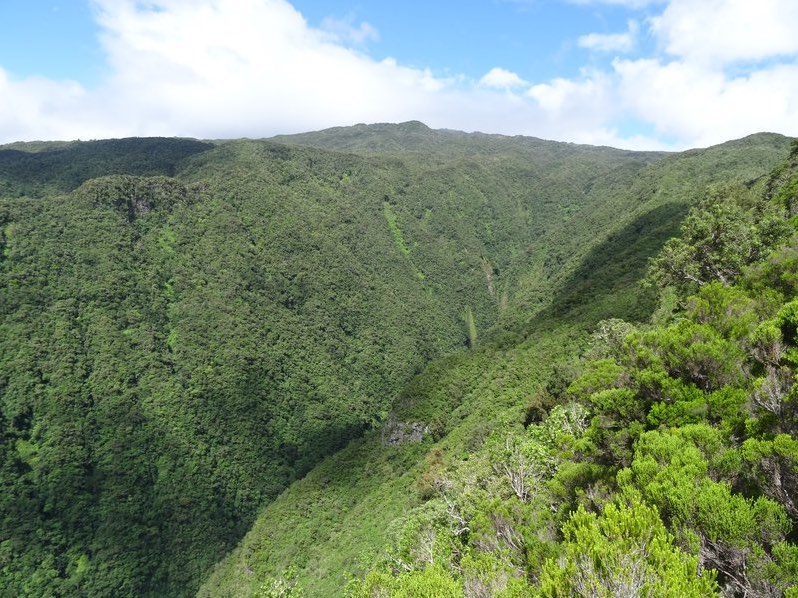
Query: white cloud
566	94
693	97
499	78
246	67
725	31
231	68
583	109
35	108
704	106
611	42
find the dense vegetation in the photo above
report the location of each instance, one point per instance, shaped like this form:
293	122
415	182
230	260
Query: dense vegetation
669	462
36	169
188	331
644	459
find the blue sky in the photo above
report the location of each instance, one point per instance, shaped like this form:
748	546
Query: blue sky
52	38
629	73
537	38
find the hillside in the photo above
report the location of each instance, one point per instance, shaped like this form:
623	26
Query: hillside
376	493
189	328
36	169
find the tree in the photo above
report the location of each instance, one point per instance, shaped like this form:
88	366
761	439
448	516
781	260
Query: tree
625	552
718	238
730	533
431	582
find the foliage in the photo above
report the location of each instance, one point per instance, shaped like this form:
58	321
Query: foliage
669	475
471	326
719	237
625	551
282	586
431	582
40	169
178	352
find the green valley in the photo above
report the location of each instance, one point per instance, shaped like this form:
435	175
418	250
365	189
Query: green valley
386	360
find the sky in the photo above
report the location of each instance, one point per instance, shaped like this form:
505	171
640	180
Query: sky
636	74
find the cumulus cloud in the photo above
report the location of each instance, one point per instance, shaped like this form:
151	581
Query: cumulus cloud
36	108
585	109
228	68
233	68
706	106
611	42
566	94
220	68
726	31
499	78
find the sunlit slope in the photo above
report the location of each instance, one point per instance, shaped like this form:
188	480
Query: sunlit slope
580	267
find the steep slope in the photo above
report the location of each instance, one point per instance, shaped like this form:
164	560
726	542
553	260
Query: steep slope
669	465
172	357
583	266
176	351
570	196
628	225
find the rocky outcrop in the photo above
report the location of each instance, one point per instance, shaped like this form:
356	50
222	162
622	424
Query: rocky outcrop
395	433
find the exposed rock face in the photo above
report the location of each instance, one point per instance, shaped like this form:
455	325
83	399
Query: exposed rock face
395	432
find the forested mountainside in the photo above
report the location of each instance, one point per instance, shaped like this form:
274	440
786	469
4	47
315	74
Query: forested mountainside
189	330
593	455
